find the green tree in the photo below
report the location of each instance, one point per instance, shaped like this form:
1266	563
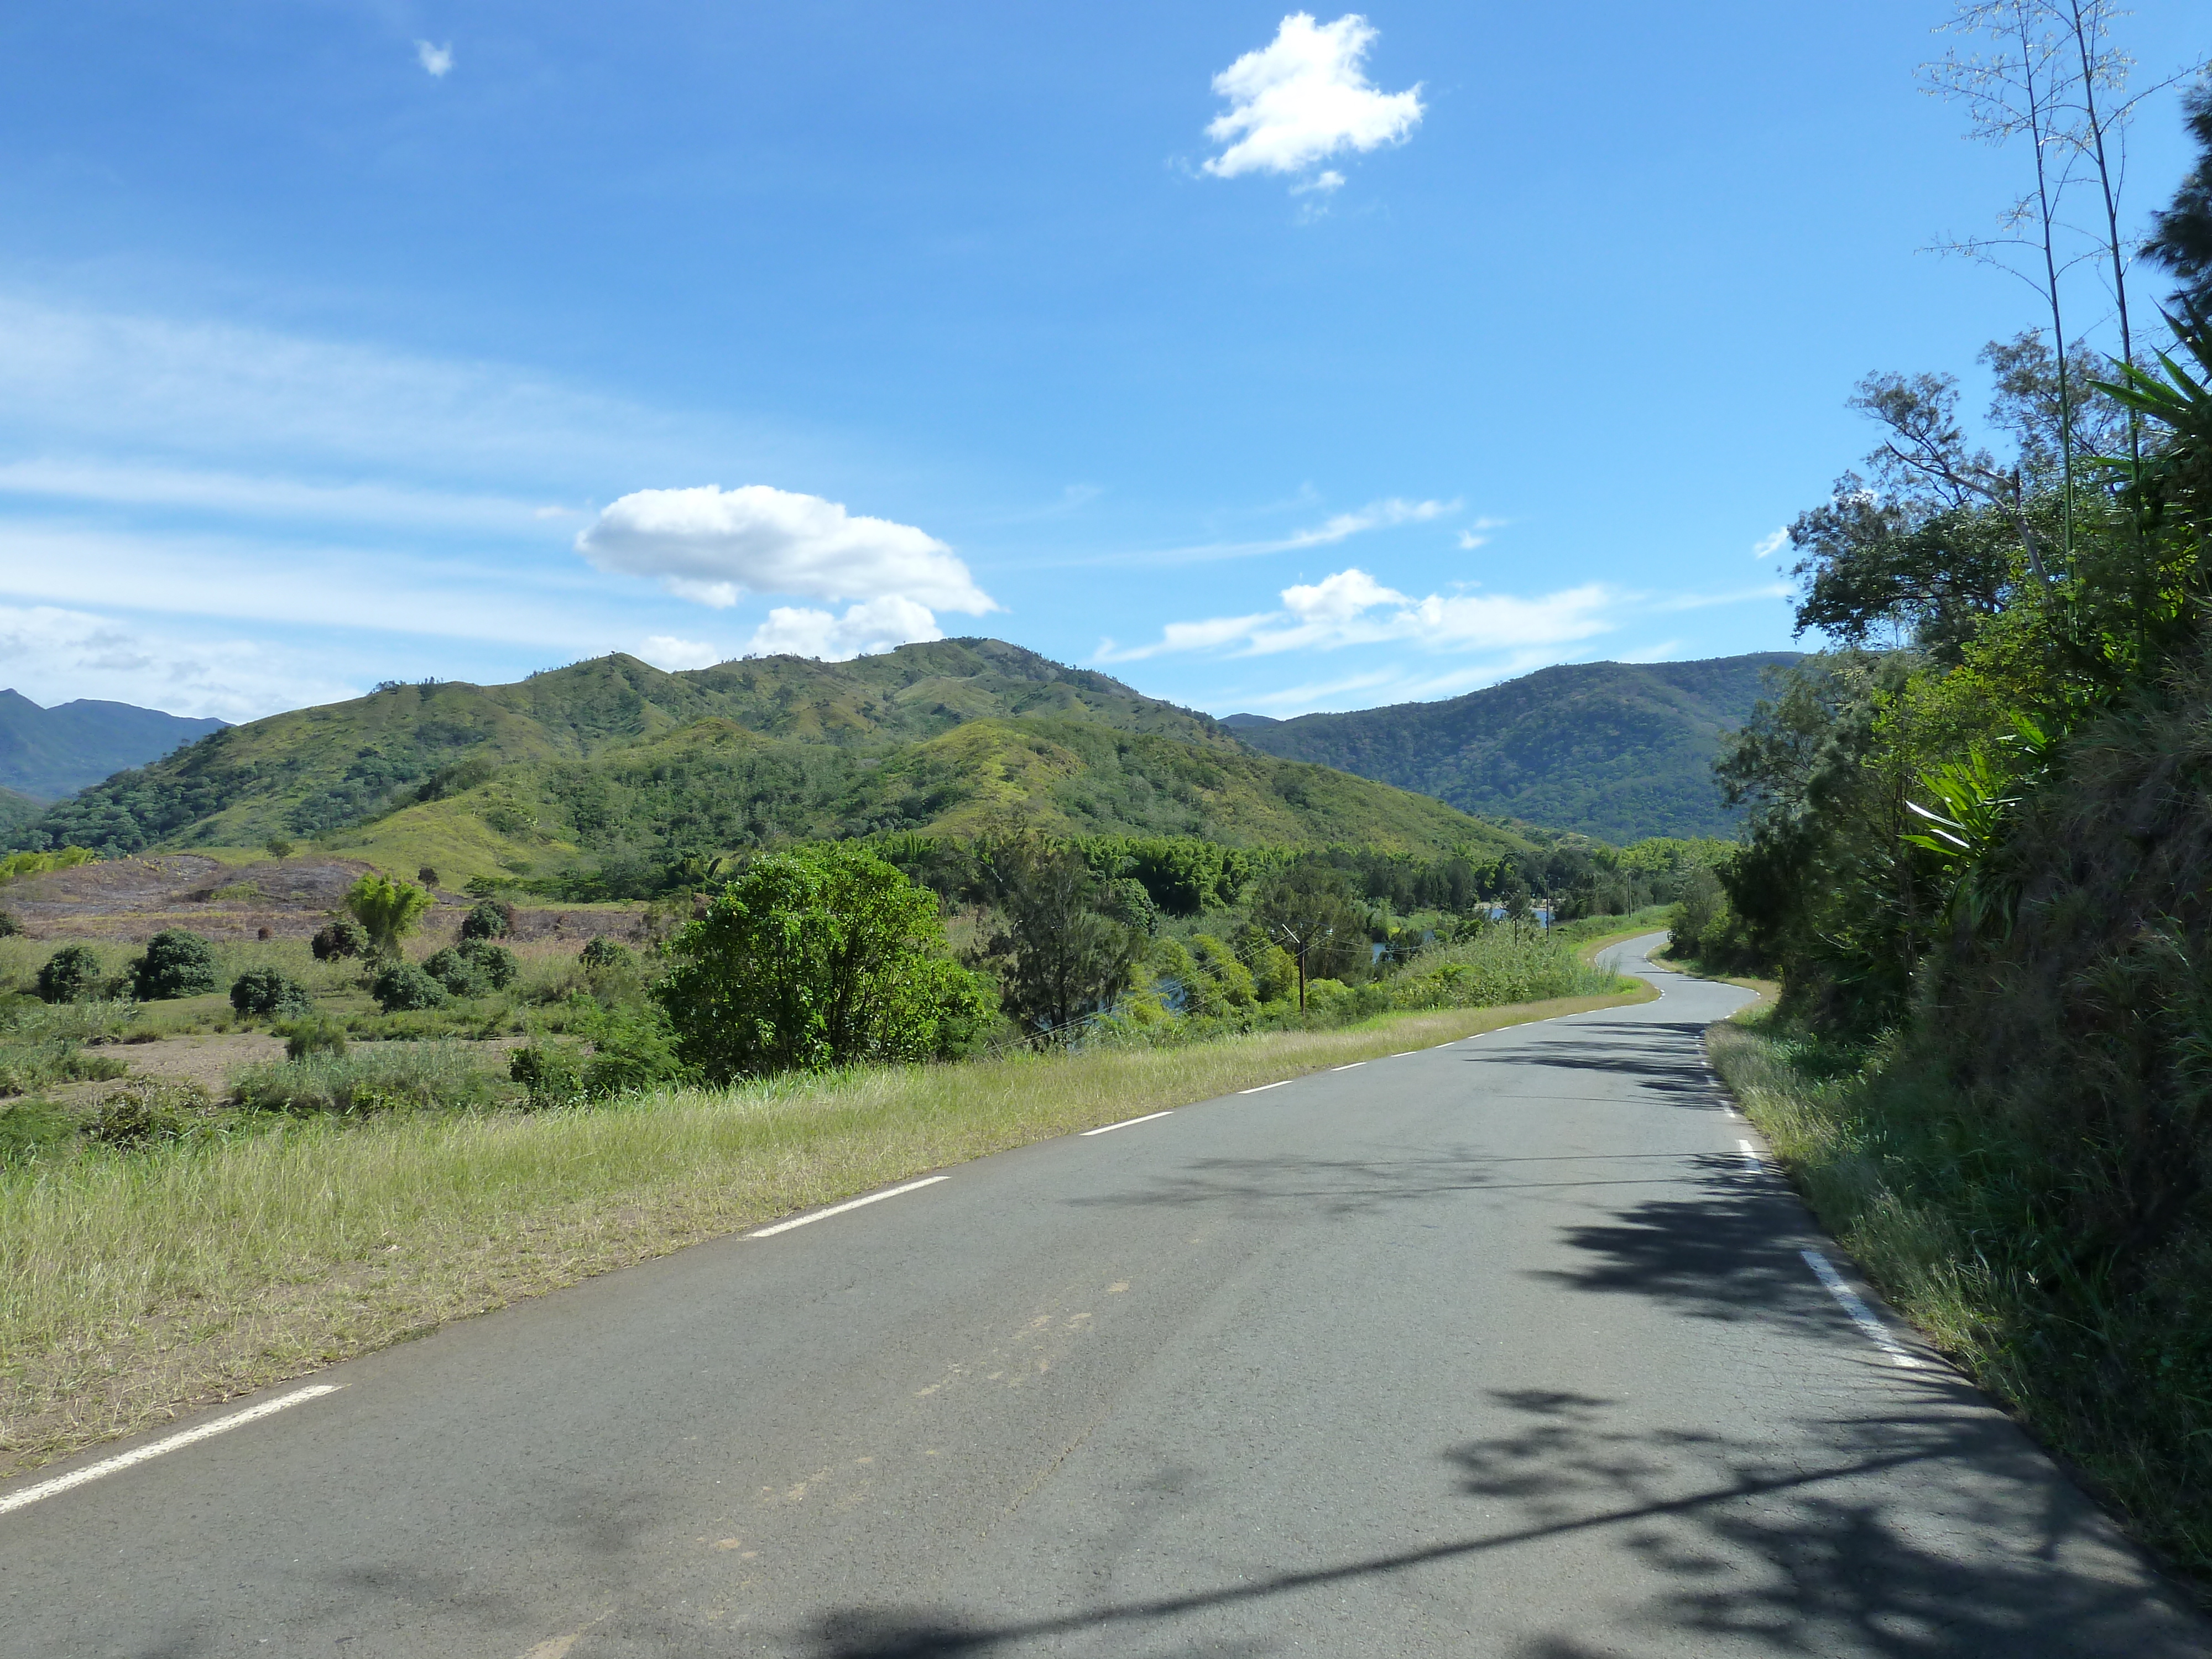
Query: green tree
177	962
1306	913
387	909
820	957
1058	953
2183	240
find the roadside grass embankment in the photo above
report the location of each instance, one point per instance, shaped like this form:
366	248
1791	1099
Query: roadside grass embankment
1940	1208
136	1284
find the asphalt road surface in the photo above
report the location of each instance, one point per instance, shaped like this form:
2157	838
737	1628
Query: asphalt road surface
1504	1347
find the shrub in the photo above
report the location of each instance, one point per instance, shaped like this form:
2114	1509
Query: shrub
339	939
825	956
146	1113
267	991
600	955
71	975
315	1035
550	1074
631	1049
277	847
428	875
458	974
10	925
499	965
177	964
374	1077
488	919
403	988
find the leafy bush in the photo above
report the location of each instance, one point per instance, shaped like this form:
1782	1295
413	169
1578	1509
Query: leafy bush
1493	967
457	973
315	1035
72	973
268	991
600	954
339	939
488	919
428	875
146	1113
825	956
177	964
10	925
372	1078
277	847
549	1073
499	966
405	988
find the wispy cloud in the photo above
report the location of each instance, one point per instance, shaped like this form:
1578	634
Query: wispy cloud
1352	608
1303	98
1769	545
666	651
438	60
70	654
265	497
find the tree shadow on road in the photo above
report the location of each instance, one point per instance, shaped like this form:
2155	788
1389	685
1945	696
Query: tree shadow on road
1721	1545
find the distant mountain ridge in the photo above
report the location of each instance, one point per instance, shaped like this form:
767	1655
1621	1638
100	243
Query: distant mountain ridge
612	769
48	753
1617	750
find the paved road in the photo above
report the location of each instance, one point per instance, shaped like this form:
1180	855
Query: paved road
1499	1348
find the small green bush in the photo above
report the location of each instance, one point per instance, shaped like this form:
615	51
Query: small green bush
600	955
404	988
550	1074
428	875
315	1035
269	991
277	847
488	919
146	1114
11	925
72	973
457	973
177	962
500	966
339	939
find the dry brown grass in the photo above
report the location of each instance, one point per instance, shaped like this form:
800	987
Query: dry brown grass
134	1287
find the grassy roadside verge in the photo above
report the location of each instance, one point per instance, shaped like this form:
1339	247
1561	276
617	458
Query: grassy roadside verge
132	1288
1938	1208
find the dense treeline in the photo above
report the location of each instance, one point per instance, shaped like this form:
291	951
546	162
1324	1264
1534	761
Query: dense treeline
1978	854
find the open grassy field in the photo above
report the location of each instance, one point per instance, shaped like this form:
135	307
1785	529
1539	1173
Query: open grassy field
133	1286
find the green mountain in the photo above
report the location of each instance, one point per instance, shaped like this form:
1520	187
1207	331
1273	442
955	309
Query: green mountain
614	767
1618	751
48	752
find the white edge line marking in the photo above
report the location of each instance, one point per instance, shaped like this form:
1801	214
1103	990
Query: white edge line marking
1402	1052
1861	1315
1752	1160
850	1204
1108	1129
1347	1068
62	1483
1264	1087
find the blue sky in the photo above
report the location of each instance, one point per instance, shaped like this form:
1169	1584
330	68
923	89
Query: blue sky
1270	364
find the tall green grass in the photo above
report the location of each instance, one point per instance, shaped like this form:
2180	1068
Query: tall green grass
1950	1215
132	1283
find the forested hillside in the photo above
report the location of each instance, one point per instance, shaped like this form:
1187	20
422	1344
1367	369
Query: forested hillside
46	753
1618	751
614	767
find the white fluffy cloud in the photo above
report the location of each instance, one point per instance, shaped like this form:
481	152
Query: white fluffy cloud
1304	97
438	60
878	625
666	651
1352	608
716	545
